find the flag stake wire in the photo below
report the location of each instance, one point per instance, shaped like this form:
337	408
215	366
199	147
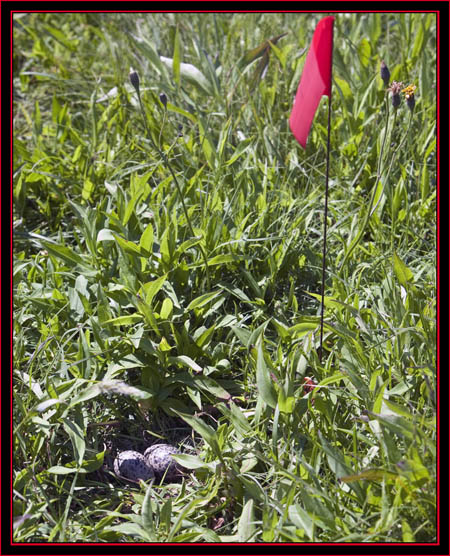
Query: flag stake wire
325	215
315	82
325	219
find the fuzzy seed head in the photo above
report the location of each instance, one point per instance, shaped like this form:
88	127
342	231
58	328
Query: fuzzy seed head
395	90
163	99
385	73
134	79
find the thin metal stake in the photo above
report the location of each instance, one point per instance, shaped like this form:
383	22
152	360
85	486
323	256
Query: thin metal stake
324	249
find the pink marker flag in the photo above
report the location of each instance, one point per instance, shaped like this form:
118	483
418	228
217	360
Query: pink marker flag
315	80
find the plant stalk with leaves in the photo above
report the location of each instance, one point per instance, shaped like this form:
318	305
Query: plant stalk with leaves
394	89
134	79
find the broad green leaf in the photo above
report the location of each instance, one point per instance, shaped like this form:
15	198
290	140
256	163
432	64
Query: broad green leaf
43	406
134	530
103	524
253	489
146	310
191	74
164	345
226	258
414	469
203	336
431	147
88	188
126	319
339	467
303	328
62	38
241	149
185	246
281	53
377	197
239	420
286	403
76	435
146	241
150	289
253	338
336	459
167	246
370	475
332	303
364	52
337	377
344	87
94	463
206	144
397	425
396	408
37	122
205	431
60	470
210	385
127	246
63	252
418	41
223	137
379	399
131	205
243	334
203	300
194	462
149	50
81	285
195	397
403	273
237	292
407	533
105	234
186	362
166	309
178	110
246	525
56	109
147	513
282	329
301	520
166	514
264	381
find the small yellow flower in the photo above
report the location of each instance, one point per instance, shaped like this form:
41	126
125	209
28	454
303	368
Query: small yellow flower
409	91
409	96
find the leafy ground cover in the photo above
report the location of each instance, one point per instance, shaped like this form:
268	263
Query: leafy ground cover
167	276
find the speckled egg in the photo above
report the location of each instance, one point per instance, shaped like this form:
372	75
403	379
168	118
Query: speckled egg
133	466
159	458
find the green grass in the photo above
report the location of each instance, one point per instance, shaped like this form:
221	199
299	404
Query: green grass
122	333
